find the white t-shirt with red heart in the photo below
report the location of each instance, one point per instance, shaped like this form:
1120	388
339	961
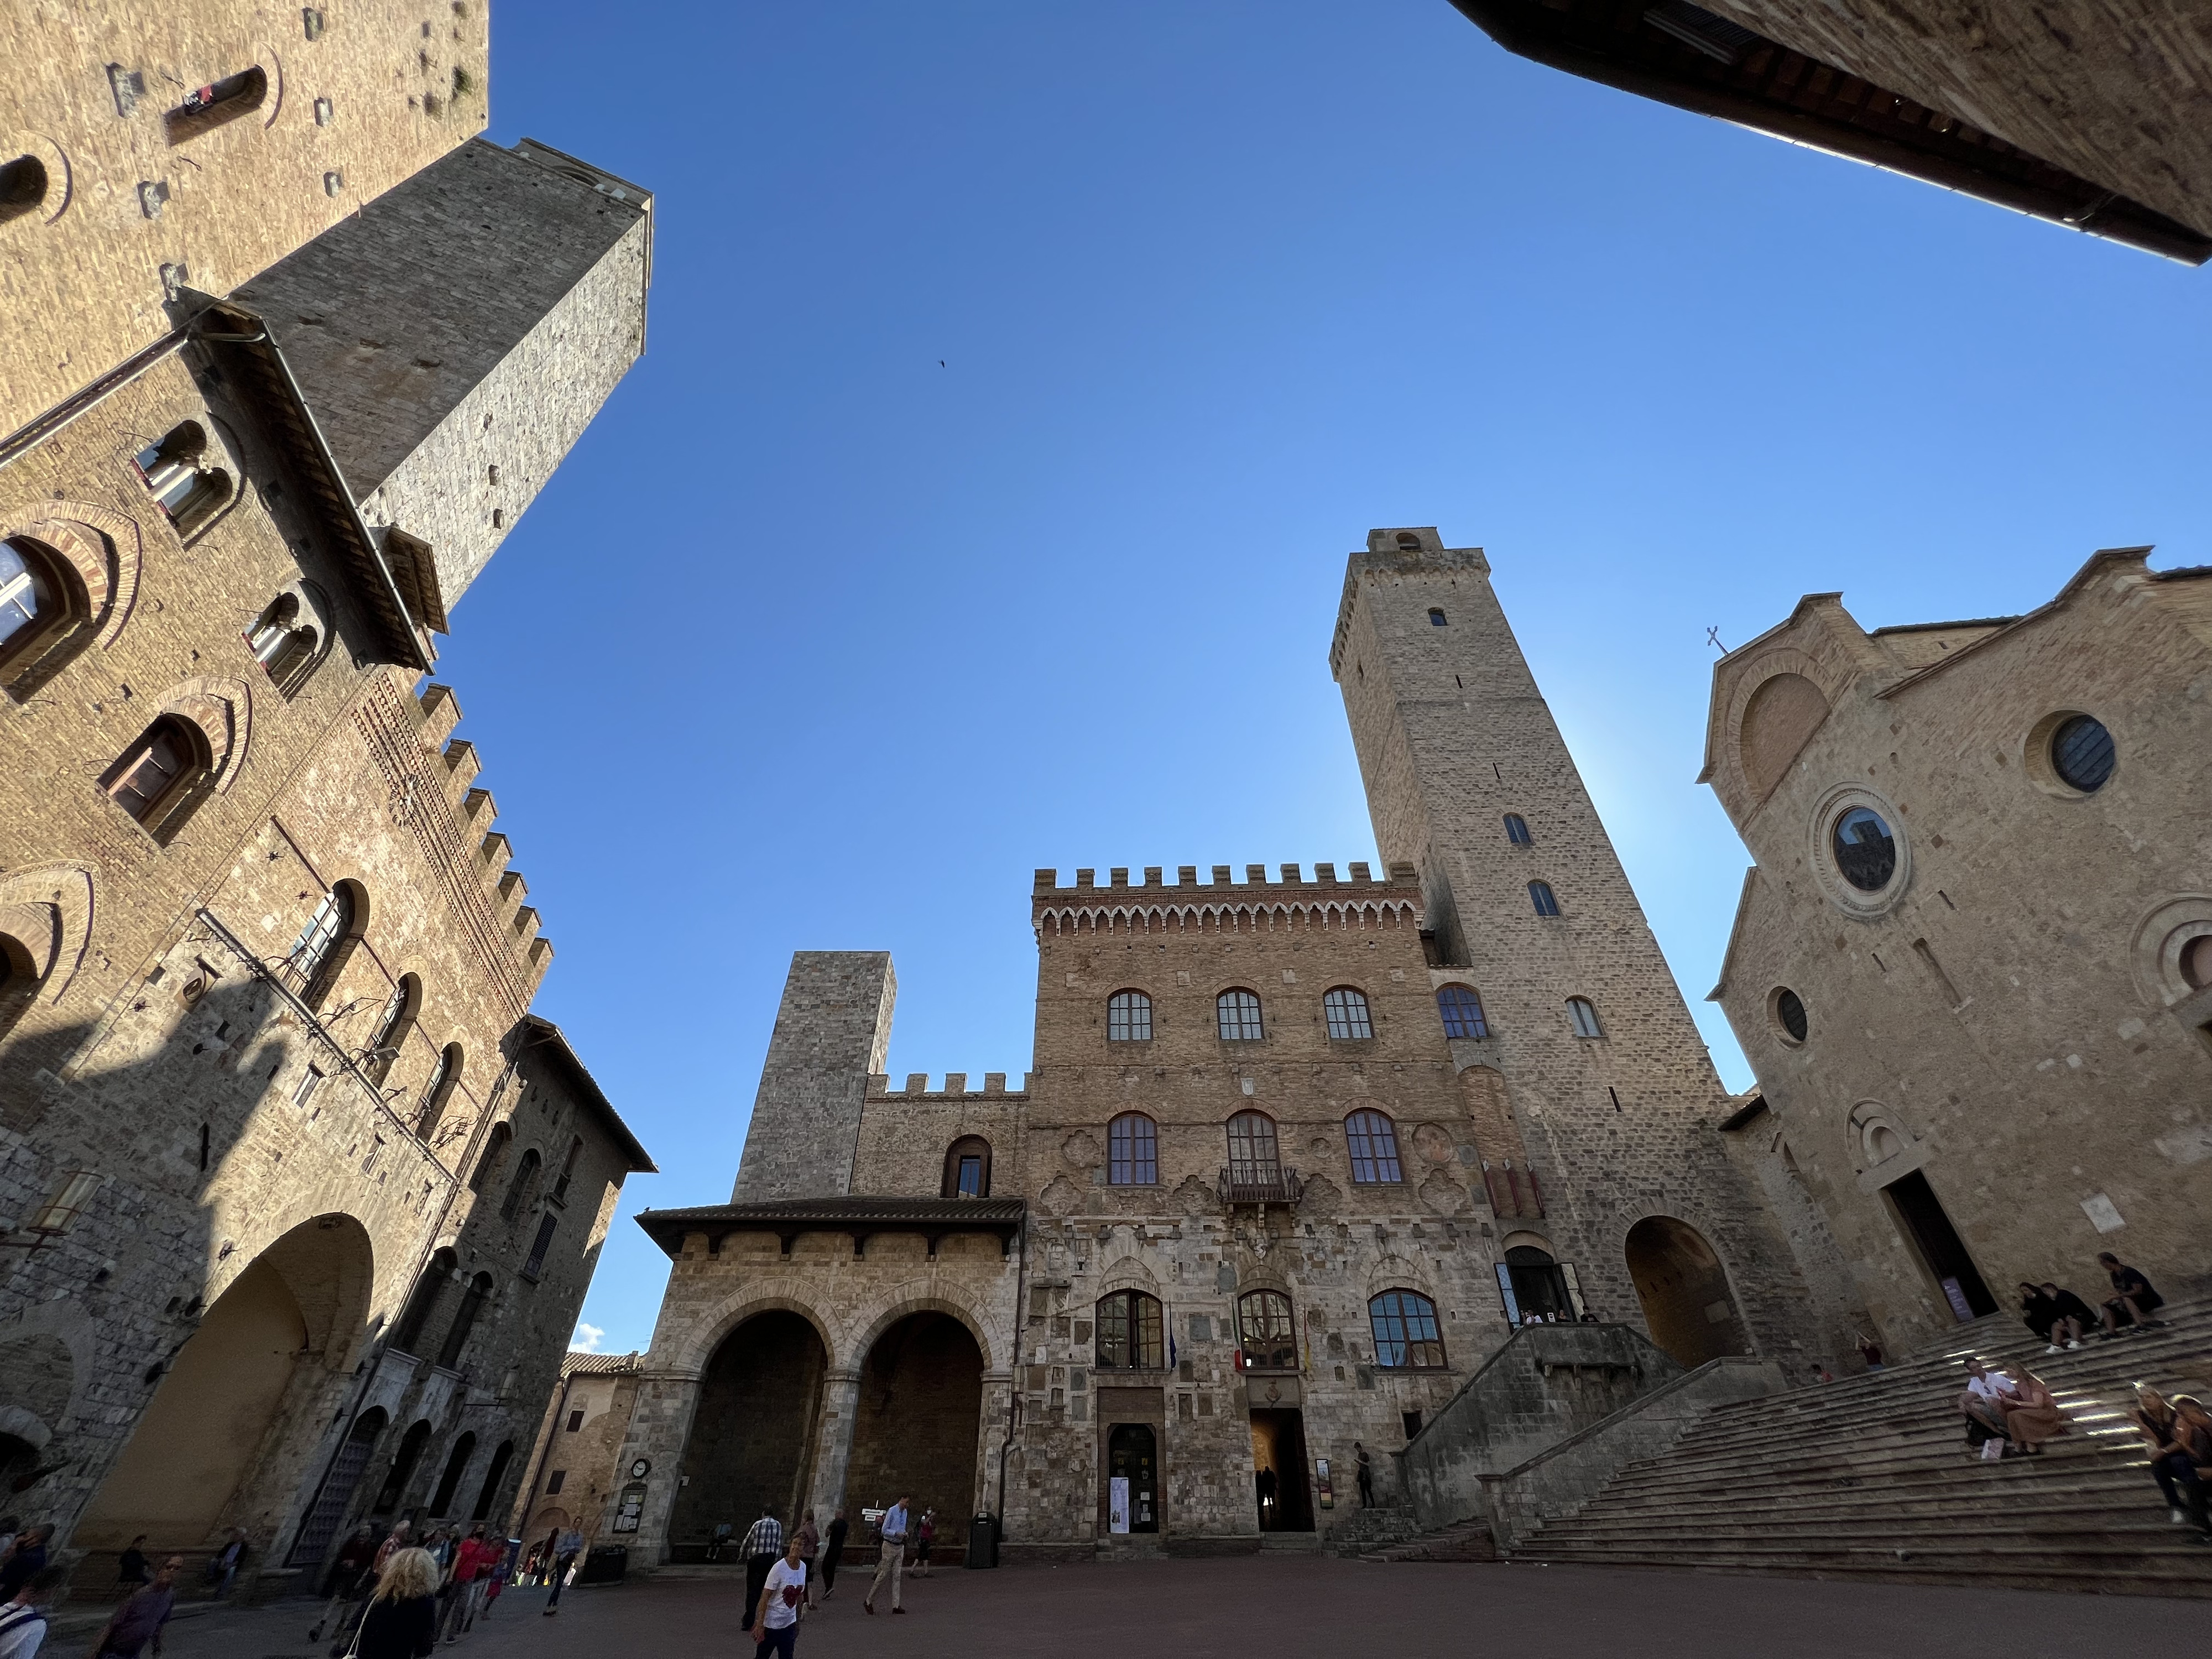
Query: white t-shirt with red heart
787	1588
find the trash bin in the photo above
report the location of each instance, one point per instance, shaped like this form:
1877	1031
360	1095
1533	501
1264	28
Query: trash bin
607	1564
983	1540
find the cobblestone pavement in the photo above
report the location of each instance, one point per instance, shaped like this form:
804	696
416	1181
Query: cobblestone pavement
1298	1607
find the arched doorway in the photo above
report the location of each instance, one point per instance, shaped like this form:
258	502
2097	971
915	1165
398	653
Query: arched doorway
1685	1291
917	1424
753	1438
282	1330
337	1489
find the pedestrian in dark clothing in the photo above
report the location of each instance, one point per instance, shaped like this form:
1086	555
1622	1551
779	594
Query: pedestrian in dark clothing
30	1555
763	1548
227	1560
342	1585
833	1551
137	1623
1365	1467
402	1622
2073	1319
132	1570
2134	1300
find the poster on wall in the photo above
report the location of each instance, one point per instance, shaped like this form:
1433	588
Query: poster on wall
1117	1503
1321	1482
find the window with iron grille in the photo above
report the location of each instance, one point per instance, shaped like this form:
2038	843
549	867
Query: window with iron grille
1462	1012
1346	1012
1130	1332
1133	1151
1129	1017
1236	1015
1407	1335
1374	1142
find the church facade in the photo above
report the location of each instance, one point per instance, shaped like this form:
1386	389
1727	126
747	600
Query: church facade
1299	1153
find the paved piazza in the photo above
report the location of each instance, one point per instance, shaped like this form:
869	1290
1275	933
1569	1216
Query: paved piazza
1293	1606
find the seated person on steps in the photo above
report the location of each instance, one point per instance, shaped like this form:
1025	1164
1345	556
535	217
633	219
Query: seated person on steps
2134	1300
1984	1401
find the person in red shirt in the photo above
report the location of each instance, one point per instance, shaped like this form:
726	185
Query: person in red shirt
472	1561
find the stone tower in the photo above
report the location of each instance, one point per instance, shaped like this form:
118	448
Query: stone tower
833	1030
1600	1100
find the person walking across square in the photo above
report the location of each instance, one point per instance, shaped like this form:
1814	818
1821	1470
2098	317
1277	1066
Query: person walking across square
833	1551
781	1604
892	1560
763	1547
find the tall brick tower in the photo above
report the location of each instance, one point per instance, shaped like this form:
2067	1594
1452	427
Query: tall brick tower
1602	1105
833	1028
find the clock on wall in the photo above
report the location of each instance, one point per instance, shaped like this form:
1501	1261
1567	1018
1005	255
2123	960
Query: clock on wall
640	1469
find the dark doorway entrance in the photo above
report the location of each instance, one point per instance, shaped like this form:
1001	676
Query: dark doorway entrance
1133	1471
918	1424
1279	1471
1941	1246
752	1436
1684	1291
1536	1284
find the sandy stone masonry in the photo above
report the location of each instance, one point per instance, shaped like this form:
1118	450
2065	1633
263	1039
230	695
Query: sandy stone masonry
2020	1022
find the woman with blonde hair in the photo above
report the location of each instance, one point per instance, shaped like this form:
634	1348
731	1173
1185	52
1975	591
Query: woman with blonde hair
2036	1417
402	1622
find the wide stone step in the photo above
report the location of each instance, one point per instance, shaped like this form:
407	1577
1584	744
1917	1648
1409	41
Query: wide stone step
2129	1576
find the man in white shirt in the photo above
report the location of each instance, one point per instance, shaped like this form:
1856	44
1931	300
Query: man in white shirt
24	1621
1984	1403
782	1600
893	1558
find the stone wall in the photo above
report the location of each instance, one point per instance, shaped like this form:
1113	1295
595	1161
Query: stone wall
2012	1018
832	1031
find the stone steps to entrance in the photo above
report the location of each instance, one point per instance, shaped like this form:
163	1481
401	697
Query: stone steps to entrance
1467	1540
1870	1477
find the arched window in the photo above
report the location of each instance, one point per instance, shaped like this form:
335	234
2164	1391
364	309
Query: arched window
423	1302
392	1026
444	1079
1265	1331
1373	1139
534	1263
1539	895
1408	542
403	1467
494	1152
152	779
188	494
23	185
1237	1016
1516	830
1128	1017
1407	1335
1132	1151
465	1321
522	1188
569	1168
967	1168
1345	1011
1436	618
285	639
1462	1012
319	954
40	596
457	1465
1252	1160
1131	1333
1583	1018
20	970
216	105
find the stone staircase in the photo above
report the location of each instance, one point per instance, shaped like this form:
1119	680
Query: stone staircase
1463	1540
1870	1477
1363	1531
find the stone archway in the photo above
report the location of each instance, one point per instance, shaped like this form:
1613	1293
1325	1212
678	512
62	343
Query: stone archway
916	1425
753	1434
1687	1303
199	1451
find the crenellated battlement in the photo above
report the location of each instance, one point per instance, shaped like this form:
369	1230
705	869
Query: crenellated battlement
956	1087
510	922
1359	900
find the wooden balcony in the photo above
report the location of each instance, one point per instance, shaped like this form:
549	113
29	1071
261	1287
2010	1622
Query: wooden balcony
1259	1184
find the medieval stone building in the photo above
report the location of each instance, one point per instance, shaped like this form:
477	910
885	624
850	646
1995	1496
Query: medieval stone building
298	1201
1973	964
1299	1153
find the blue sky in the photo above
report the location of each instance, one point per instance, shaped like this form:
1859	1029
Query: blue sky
815	643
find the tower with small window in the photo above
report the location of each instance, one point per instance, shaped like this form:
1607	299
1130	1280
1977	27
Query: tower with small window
1559	1010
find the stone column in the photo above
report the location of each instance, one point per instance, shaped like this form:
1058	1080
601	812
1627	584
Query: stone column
660	1429
833	1444
990	1438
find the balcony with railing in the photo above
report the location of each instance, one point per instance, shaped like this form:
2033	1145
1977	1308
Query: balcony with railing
1259	1184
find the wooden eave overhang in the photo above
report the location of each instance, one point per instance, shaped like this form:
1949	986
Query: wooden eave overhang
858	1218
239	340
545	1032
1681	55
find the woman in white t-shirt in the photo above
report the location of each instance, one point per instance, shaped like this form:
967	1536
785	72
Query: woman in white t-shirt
783	1598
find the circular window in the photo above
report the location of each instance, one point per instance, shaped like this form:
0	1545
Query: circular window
1789	1013
2082	754
2196	962
1865	850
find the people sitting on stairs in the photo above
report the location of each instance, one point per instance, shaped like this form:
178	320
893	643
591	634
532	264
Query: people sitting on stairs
2032	1416
2072	1317
1987	1395
2180	1437
2134	1300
